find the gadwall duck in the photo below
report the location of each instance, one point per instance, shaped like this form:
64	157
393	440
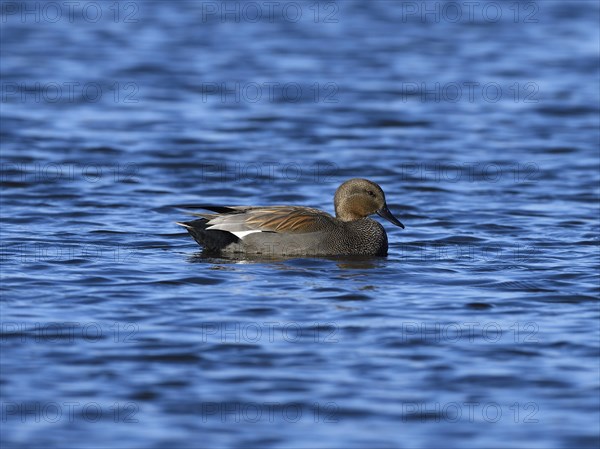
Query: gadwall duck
297	230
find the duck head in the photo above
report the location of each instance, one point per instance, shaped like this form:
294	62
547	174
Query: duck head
358	198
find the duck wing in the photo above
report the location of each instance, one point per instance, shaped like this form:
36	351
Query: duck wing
243	220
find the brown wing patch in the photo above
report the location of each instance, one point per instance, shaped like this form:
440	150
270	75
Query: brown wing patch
288	219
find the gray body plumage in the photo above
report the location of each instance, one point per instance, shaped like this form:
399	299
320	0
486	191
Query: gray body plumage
364	237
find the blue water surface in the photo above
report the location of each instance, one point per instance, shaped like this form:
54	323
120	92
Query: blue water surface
480	329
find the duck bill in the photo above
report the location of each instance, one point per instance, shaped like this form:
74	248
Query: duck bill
384	212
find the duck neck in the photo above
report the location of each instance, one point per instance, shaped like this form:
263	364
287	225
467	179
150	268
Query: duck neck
347	210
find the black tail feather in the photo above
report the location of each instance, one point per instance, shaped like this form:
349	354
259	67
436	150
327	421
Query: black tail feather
213	240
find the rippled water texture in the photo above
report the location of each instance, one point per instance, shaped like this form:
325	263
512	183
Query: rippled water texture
480	329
